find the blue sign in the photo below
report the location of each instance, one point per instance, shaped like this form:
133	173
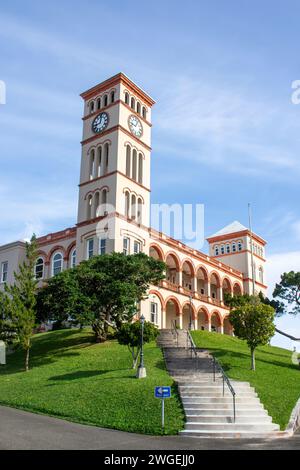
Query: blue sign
162	392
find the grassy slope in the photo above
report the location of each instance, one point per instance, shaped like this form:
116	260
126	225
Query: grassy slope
73	378
276	379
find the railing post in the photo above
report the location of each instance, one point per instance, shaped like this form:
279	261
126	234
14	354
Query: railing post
234	408
223	385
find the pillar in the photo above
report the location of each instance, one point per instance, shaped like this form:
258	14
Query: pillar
222	329
209	324
208	290
180	320
180	278
163	318
194	284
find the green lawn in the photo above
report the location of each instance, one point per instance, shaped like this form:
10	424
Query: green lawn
276	379
75	379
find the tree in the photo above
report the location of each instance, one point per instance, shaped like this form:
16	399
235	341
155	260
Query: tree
289	291
253	322
129	335
102	292
18	302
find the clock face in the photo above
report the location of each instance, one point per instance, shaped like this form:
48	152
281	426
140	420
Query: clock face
100	123
135	126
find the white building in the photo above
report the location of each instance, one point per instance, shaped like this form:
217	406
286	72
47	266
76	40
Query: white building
114	198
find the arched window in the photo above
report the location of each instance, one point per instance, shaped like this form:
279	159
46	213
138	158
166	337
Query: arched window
89	207
128	160
140	179
261	275
99	161
92	106
144	112
127	204
92	164
133	207
39	268
132	103
73	259
240	246
140	210
112	97
222	249
138	108
134	164
99	103
106	157
233	247
104	202
227	248
126	98
96	204
57	264
105	100
216	251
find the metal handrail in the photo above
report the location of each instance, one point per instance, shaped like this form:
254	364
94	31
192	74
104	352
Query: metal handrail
175	331
190	340
217	365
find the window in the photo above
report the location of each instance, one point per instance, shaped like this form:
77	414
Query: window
261	275
240	246
126	98
140	210
140	179
234	247
216	251
133	207
92	106
102	246
106	156
126	245
99	103
89	207
138	108
144	112
4	271
127	203
128	159
132	103
112	97
137	248
73	259
134	164
222	249
57	264
227	249
39	268
105	100
154	312
90	248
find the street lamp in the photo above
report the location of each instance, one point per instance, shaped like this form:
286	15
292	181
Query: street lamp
141	372
191	300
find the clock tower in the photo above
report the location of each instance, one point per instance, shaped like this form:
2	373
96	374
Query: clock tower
114	189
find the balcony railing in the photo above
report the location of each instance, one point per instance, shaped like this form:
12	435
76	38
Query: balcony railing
196	295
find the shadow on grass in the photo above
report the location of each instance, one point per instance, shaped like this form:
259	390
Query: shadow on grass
85	374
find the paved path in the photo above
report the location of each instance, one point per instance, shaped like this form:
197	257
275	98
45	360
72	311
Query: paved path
22	430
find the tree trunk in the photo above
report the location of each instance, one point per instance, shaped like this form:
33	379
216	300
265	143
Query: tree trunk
252	359
27	359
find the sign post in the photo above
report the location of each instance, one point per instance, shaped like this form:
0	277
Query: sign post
2	353
162	393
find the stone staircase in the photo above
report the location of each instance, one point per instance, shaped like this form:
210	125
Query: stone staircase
209	413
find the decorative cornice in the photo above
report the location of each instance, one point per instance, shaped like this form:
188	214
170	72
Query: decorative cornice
113	173
113	129
240	234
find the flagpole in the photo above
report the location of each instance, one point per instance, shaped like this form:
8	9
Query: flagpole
251	241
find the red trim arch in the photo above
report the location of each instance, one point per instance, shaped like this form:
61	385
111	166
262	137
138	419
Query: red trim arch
189	304
176	302
54	249
225	278
41	254
204	270
239	286
204	310
175	256
158	250
69	249
158	294
219	316
217	275
191	264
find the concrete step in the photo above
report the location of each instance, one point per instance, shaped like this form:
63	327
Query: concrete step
224	434
228	405
254	427
192	411
244	419
218	394
211	384
216	400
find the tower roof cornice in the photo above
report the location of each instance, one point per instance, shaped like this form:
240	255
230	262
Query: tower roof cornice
118	78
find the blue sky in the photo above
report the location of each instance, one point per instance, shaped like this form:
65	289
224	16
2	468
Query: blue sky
225	131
